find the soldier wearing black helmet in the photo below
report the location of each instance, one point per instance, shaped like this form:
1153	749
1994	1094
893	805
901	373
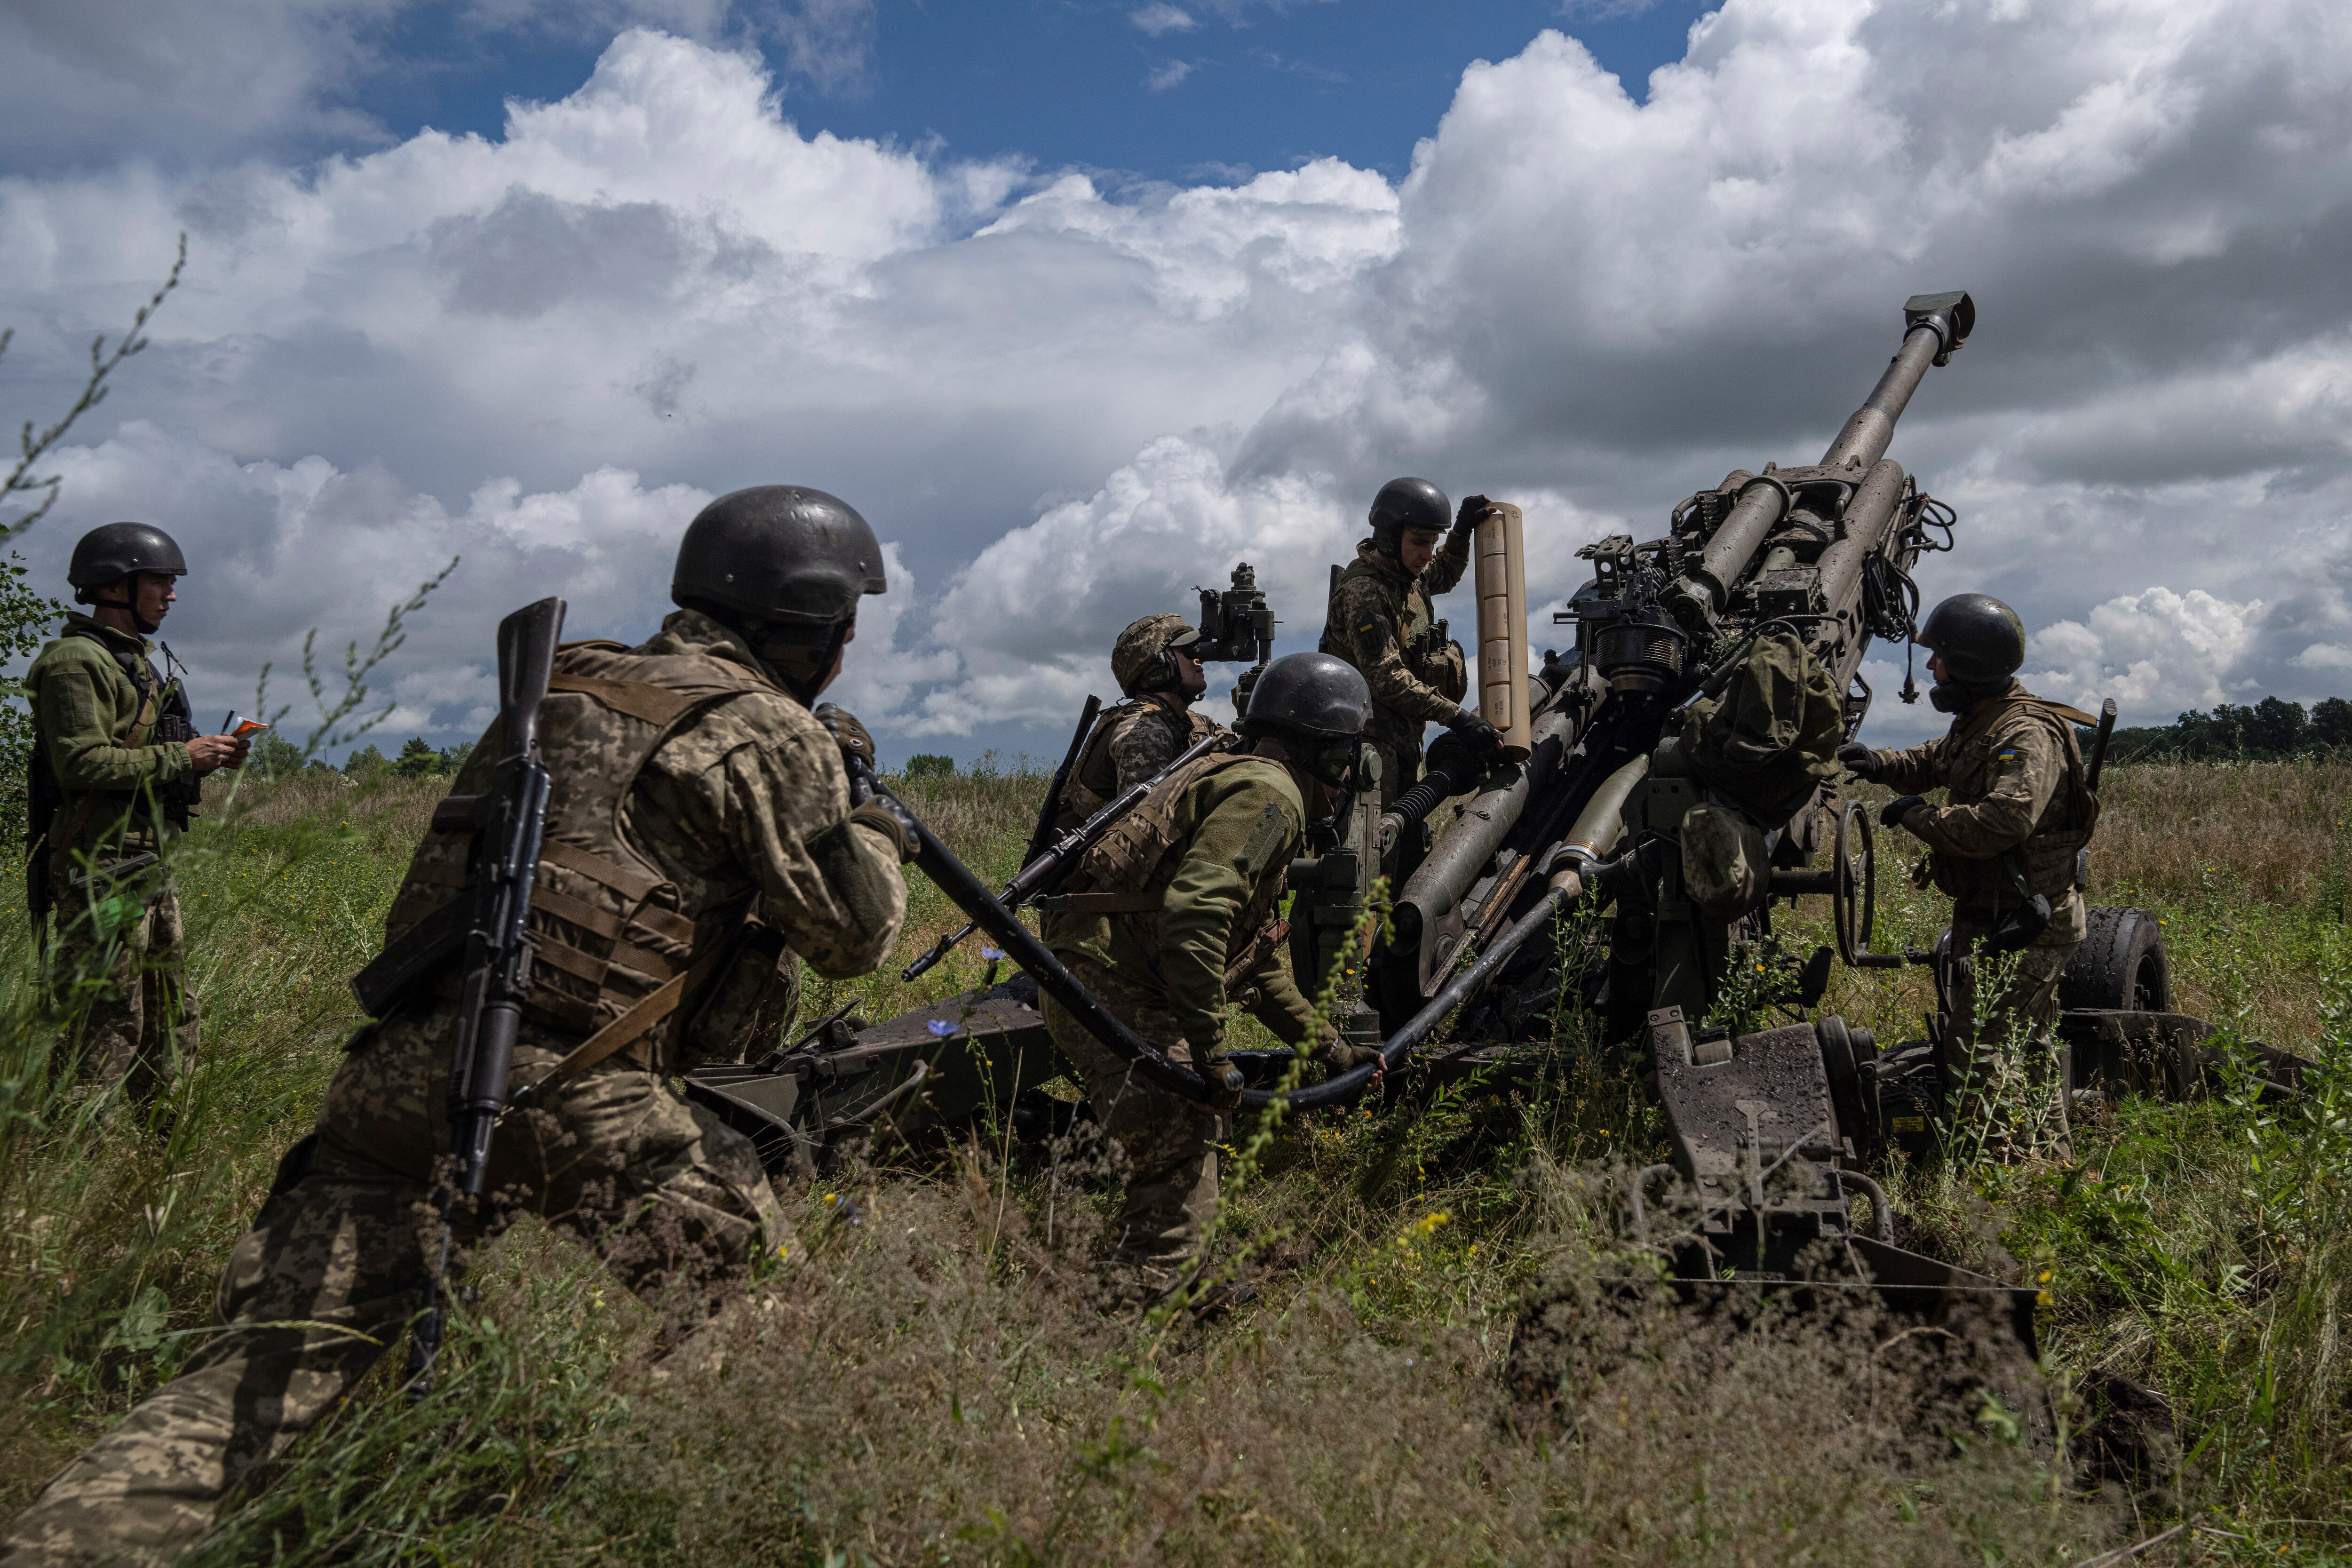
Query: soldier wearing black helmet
2006	846
1380	621
1173	917
114	772
1155	671
701	841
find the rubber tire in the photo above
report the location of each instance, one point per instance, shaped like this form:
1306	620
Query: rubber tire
2121	966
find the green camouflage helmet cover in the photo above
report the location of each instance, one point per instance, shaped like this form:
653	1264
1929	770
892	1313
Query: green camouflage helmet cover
1134	659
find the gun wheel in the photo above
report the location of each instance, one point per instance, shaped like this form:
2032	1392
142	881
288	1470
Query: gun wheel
1853	900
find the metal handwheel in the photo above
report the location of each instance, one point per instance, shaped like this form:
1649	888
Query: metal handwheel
1854	897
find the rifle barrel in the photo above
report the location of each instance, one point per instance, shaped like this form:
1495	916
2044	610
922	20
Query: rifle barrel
2099	745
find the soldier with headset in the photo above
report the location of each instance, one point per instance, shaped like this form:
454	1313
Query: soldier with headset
2005	848
1162	680
115	769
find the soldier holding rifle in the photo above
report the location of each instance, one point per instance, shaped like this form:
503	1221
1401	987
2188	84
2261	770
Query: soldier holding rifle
1173	916
698	832
2005	848
116	761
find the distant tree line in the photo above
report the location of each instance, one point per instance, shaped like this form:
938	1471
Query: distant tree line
277	759
2269	729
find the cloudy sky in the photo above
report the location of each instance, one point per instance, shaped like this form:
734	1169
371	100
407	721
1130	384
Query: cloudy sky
1080	303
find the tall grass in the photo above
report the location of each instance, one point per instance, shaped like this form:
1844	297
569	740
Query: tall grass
926	1376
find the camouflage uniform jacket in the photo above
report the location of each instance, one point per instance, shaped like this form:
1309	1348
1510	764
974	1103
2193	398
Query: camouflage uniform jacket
1380	621
743	806
84	707
1235	824
1132	742
2017	810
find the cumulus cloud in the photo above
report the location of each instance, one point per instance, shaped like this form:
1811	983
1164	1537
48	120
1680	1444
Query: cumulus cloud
1159	19
1066	402
1166	76
2154	652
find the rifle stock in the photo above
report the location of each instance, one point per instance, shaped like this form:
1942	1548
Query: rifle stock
1051	806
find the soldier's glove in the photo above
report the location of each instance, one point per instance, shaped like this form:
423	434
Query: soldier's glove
1471	726
1225	1082
846	731
1860	760
1471	511
1899	808
885	816
1339	1054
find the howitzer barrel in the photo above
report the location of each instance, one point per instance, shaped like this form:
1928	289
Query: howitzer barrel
1935	327
1867	517
1763	502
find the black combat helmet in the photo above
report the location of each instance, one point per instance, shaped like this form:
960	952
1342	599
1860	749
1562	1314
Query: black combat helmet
783	557
108	554
1408	503
1309	694
1980	640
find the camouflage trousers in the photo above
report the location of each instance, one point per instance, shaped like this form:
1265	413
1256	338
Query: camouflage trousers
332	1273
1168	1142
1400	765
117	967
2005	1066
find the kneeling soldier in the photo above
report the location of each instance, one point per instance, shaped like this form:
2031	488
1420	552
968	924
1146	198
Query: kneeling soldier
1154	666
1173	916
2006	849
699	833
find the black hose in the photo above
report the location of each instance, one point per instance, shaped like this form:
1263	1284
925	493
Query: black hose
1347	1086
969	893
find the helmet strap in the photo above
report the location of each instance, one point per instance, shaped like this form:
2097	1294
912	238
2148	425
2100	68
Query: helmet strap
128	604
800	667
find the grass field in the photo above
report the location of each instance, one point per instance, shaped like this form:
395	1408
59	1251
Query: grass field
923	1379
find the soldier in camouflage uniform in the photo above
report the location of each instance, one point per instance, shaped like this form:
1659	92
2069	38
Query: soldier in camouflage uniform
1173	917
697	804
1379	622
1154	666
114	770
2005	848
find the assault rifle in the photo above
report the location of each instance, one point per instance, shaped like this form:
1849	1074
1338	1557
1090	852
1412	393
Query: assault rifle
1047	869
509	820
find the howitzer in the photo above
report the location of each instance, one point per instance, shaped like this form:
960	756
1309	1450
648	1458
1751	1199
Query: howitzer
1614	801
510	819
1047	867
1824	552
